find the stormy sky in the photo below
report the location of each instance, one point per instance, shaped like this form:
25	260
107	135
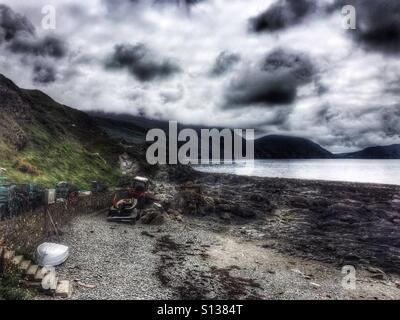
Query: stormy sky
285	67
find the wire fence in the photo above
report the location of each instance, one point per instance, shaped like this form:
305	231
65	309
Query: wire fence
19	199
27	231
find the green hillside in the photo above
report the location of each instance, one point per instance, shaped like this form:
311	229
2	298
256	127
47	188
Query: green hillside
50	142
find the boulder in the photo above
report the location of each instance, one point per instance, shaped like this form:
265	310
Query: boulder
175	215
154	217
242	211
160	219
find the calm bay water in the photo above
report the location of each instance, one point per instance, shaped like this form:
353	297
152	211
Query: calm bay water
371	171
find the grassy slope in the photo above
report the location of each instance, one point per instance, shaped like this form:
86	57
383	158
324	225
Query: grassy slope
63	144
130	132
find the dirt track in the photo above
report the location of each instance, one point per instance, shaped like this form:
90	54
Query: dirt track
198	258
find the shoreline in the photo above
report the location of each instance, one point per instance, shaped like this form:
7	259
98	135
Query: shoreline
392	181
371	184
329	221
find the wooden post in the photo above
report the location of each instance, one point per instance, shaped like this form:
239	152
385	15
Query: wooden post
53	224
45	220
2	252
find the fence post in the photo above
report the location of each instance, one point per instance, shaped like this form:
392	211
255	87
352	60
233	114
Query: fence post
2	252
45	208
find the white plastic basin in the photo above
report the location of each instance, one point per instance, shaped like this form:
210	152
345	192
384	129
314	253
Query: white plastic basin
51	254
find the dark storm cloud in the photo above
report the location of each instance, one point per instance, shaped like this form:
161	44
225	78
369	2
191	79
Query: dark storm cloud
48	46
141	62
19	34
377	27
378	23
224	62
43	73
13	24
261	89
275	82
282	14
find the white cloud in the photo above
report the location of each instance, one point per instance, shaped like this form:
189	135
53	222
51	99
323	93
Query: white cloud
352	79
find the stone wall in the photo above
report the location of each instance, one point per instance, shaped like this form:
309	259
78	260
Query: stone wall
26	232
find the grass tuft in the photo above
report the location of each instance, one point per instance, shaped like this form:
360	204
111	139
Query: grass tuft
10	289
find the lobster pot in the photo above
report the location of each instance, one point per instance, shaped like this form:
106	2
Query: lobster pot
49	196
18	201
36	195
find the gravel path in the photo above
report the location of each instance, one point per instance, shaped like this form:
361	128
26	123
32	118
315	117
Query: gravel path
197	259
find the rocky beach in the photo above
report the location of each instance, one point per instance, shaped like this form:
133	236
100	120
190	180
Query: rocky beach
336	222
223	236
